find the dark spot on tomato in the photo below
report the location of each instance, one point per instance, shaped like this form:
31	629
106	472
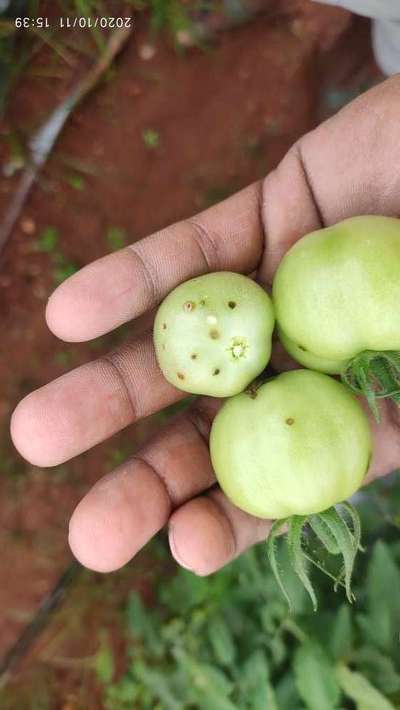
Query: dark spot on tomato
180	376
216	371
232	304
214	334
164	326
189	306
290	421
202	302
163	347
193	356
301	347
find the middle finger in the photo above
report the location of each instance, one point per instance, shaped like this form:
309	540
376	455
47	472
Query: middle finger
91	403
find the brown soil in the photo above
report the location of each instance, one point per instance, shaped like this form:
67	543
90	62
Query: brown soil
224	117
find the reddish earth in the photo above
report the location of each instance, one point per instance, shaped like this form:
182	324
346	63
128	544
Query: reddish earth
224	117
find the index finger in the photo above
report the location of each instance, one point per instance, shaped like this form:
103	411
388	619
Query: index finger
125	284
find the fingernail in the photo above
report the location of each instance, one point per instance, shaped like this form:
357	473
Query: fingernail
175	552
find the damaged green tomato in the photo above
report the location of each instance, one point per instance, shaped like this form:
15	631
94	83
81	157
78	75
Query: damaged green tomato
212	334
290	451
336	295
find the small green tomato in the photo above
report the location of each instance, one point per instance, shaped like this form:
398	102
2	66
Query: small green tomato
212	334
299	446
308	359
292	450
336	295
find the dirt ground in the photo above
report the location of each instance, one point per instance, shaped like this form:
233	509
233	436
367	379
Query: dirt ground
221	118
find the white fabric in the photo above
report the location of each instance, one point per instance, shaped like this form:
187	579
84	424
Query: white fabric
386	43
379	9
385	28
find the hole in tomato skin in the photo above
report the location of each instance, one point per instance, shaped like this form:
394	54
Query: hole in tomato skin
189	306
289	421
193	356
301	347
216	371
180	376
232	304
214	334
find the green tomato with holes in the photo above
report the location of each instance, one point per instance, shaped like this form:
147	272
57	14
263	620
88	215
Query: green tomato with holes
297	445
212	334
308	359
336	293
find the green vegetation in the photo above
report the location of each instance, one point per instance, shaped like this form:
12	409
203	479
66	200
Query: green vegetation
17	47
167	14
77	182
48	242
65	358
116	238
63	269
227	641
151	138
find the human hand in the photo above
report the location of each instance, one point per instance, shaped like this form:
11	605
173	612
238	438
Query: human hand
347	166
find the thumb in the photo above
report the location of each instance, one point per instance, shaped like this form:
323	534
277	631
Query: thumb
347	166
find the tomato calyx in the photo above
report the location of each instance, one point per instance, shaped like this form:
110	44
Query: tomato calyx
336	536
376	375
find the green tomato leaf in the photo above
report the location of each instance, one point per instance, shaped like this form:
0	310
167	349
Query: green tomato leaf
210	684
383	581
294	540
256	690
221	641
315	678
348	544
104	662
271	551
382	622
356	523
158	685
376	628
357	687
185	592
324	533
144	625
122	695
380	669
341	634
286	693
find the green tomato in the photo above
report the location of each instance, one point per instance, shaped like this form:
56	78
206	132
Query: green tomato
337	292
313	362
299	446
212	334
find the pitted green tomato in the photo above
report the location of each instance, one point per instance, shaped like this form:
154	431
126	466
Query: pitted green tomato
299	445
337	293
308	359
212	334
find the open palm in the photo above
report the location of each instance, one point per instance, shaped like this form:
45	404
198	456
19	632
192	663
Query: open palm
347	166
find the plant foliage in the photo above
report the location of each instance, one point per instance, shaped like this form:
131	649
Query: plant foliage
228	642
